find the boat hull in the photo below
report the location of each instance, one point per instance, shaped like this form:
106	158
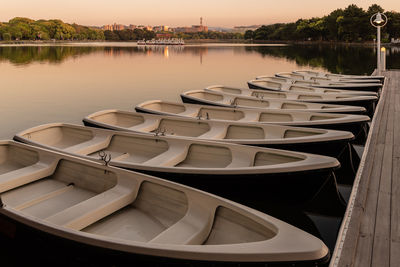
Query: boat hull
42	248
189	100
249	189
369	87
359	129
340	87
81	201
342	150
369	105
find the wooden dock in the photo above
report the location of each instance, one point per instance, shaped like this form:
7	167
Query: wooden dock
370	231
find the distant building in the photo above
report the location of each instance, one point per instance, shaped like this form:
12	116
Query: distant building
142	27
118	27
107	27
194	28
162	28
243	29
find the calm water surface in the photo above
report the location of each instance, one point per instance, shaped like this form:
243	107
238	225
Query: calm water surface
42	84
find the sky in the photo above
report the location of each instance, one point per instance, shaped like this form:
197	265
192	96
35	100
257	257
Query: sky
223	13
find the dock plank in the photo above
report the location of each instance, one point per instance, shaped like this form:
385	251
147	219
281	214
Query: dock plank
367	225
395	198
370	232
381	243
370	190
352	239
395	216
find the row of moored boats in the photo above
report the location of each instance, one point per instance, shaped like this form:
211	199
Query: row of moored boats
284	139
162	41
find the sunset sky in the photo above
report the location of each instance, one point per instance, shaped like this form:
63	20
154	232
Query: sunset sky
225	13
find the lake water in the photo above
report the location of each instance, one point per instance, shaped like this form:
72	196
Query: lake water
42	84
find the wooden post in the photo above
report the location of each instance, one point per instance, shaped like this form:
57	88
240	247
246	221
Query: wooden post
383	58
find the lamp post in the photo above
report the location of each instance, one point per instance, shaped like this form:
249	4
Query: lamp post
378	20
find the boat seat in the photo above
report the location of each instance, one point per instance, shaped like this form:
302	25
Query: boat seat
276	105
286	86
192	229
240	160
216	132
292	97
98	142
191	112
24	175
147	126
169	158
251	117
93	209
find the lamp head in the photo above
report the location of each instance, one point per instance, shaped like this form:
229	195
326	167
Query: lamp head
378	20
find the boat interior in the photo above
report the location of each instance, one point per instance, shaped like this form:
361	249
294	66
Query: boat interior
271	84
145	150
215	130
319	76
291	75
241	114
117	204
120	119
213	97
296	96
327	75
304	87
322	83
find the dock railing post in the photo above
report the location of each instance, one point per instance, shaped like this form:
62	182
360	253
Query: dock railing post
378	49
383	58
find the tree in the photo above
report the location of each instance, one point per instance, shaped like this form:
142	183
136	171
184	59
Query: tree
332	22
374	9
248	34
393	25
125	35
349	24
6	36
111	36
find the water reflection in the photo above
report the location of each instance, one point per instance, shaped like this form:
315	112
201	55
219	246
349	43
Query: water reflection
25	55
333	58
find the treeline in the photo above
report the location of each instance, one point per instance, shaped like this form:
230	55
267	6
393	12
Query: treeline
351	24
138	34
28	29
344	25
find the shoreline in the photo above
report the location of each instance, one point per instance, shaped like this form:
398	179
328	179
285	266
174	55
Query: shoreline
201	41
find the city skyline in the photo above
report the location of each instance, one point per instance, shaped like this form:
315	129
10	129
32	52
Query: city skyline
175	13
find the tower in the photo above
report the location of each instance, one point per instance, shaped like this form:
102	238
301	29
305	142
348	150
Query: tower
201	21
